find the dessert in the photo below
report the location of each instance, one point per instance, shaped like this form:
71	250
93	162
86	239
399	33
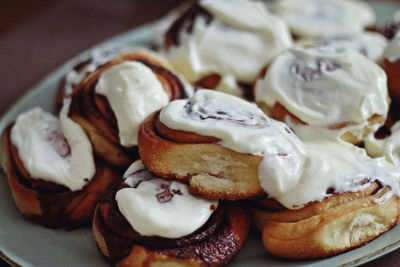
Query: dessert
325	87
112	102
203	141
51	171
223	44
149	220
313	18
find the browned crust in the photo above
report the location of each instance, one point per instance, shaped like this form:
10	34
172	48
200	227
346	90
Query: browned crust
211	170
94	114
264	213
47	203
213	251
336	230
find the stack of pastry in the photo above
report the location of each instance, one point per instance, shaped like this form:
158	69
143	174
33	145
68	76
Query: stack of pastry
172	177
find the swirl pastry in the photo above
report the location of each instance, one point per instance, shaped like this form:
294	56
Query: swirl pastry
347	200
325	87
223	44
313	18
97	58
204	141
370	44
51	170
149	221
112	102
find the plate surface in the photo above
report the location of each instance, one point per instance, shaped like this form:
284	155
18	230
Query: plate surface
28	244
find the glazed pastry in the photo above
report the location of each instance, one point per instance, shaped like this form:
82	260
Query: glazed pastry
149	221
97	58
314	18
348	199
370	44
51	171
112	102
325	87
223	44
204	141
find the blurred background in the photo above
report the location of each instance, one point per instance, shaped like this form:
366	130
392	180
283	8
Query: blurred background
37	36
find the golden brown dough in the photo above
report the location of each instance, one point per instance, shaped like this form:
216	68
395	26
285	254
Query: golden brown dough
211	170
331	227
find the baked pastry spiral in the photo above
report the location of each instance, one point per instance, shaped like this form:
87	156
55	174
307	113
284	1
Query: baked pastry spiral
325	87
313	18
223	44
330	230
51	171
184	142
111	102
176	228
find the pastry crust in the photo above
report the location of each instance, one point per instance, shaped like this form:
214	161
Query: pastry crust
214	244
93	112
210	170
331	227
47	203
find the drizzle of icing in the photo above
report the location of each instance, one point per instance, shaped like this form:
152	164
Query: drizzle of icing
134	92
159	207
54	150
325	85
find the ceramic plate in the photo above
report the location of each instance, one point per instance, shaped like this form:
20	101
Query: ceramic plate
27	244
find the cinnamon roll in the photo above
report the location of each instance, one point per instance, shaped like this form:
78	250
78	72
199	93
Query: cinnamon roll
112	102
327	88
52	173
313	18
215	142
148	220
223	44
346	199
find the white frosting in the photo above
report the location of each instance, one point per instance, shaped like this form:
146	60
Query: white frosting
159	207
134	92
292	171
325	17
392	52
388	147
97	58
370	44
241	39
325	86
39	138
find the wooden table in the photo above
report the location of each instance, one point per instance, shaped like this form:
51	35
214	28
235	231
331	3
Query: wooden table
36	36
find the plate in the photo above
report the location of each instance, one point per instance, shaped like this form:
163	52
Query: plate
23	243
